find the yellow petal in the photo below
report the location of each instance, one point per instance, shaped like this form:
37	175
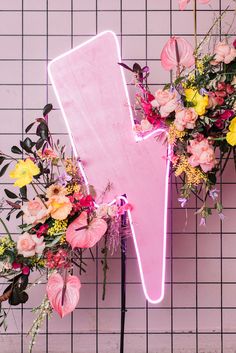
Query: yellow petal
232	126
231	138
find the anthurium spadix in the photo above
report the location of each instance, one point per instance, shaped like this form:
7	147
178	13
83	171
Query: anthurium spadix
93	97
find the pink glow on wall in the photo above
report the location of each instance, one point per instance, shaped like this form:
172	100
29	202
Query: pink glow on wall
93	97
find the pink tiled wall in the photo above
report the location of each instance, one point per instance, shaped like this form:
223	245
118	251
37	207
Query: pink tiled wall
198	313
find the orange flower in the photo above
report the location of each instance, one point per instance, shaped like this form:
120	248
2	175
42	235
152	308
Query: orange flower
55	190
60	207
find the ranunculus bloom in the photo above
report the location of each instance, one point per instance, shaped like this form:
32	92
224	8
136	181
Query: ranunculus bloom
199	101
29	245
231	135
24	172
167	100
35	211
202	154
177	52
185	119
59	206
184	3
223	53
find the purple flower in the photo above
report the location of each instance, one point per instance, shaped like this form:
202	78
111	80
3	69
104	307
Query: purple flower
222	216
213	194
203	221
182	201
64	178
203	91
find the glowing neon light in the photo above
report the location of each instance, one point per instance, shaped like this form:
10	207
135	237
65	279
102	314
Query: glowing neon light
92	94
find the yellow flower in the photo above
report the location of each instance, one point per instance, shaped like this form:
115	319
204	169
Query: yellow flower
200	102
231	135
24	172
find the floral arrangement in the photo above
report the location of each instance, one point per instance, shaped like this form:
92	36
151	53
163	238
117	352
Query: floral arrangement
198	112
60	221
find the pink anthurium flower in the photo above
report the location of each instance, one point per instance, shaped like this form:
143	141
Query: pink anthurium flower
81	234
63	295
184	3
177	52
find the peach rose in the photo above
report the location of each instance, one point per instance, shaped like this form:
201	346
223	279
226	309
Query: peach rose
223	53
29	245
59	206
35	211
202	154
185	118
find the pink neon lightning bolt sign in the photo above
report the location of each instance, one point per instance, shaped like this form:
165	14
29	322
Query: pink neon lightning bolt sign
93	97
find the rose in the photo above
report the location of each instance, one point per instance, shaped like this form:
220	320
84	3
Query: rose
35	211
29	245
223	53
163	96
185	118
59	206
202	154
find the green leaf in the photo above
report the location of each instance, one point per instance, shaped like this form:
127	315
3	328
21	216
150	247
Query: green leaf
23	192
3	170
10	194
19	214
2	159
42	130
39	143
27	144
54	242
29	127
16	150
46	110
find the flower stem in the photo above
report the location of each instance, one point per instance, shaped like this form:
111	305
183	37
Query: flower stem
195	25
6	229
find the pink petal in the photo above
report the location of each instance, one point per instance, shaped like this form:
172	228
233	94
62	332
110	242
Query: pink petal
183	4
204	1
97	228
169	53
87	237
71	297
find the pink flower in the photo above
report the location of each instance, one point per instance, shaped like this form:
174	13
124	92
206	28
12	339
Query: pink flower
167	100
184	3
177	52
34	211
29	245
81	234
223	53
185	118
202	154
25	270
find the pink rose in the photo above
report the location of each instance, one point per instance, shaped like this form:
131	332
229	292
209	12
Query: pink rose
34	212
223	53
185	118
168	101
29	245
202	154
163	96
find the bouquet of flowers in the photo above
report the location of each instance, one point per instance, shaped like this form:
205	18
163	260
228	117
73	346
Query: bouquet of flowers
197	110
60	221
